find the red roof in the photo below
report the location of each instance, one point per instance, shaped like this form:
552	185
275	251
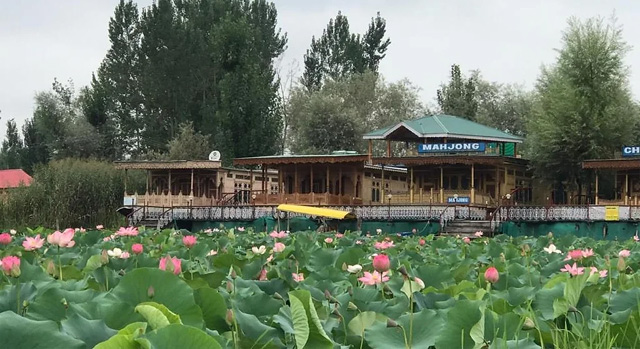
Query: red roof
13	178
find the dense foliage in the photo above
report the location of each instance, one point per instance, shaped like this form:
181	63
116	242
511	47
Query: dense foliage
241	289
68	192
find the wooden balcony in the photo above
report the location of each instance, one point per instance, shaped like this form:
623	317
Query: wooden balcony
306	199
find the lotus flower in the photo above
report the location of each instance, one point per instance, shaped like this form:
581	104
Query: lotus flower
551	249
10	266
576	255
189	241
212	253
5	239
358	242
175	265
270	258
379	231
278	247
624	253
125	255
116	252
128	231
241	229
137	248
64	239
31	244
208	231
278	235
13	231
587	253
99	227
298	277
263	275
259	250
422	242
374	278
492	275
573	269
383	245
603	272
478	234
328	240
419	282
466	240
353	269
636	238
338	236
80	230
381	262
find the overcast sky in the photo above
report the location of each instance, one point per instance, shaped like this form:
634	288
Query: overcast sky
507	41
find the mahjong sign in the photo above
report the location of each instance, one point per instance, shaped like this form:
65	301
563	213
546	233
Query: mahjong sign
451	147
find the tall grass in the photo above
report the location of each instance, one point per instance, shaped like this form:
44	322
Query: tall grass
67	193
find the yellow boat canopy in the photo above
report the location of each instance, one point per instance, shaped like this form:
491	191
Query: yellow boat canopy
317	211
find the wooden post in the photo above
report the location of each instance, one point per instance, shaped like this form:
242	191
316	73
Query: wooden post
355	184
280	184
441	184
388	148
148	182
473	185
340	186
411	184
191	194
626	188
497	183
265	185
295	179
169	182
596	198
327	181
311	179
125	181
250	181
370	150
382	186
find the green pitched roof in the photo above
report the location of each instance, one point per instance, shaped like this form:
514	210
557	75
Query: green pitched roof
441	126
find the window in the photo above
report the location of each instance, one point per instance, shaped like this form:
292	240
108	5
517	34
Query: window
229	175
367	174
465	183
395	178
454	182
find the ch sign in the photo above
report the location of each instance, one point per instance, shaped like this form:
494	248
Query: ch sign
451	147
631	151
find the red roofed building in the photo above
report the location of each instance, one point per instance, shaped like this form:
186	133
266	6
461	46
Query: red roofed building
13	178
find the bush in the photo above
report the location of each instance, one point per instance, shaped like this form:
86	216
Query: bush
67	193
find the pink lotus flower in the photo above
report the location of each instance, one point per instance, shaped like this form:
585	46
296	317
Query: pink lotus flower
189	241
383	245
419	282
99	227
492	275
478	234
127	231
422	242
587	253
573	269
125	255
80	230
278	235
208	231
338	235
298	277
263	275
328	240
278	247
109	238
381	262
373	278
576	255
10	266
466	240
636	238
31	244
358	242
175	265
137	248
64	239
603	272
270	258
212	253
5	239
624	253
241	229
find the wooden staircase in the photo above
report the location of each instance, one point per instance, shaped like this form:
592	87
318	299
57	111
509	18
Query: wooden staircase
466	228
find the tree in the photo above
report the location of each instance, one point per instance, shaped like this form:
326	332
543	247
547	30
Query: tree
336	116
11	152
189	144
584	109
339	53
458	97
504	107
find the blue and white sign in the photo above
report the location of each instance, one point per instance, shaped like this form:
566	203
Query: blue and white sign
451	147
631	150
458	200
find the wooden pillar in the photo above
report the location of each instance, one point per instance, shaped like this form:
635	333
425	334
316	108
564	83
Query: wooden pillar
382	186
148	182
191	193
411	184
370	150
327	182
280	184
250	180
626	188
596	198
295	179
125	181
169	182
388	148
497	182
441	184
354	180
311	179
340	185
265	184
473	185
